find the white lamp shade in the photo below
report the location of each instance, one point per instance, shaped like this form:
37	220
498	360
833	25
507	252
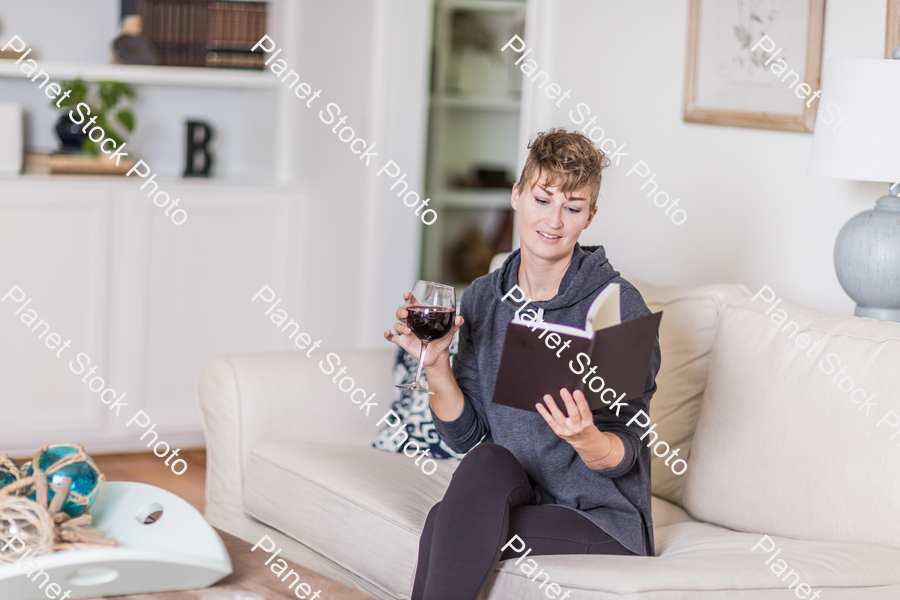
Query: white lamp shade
857	133
11	138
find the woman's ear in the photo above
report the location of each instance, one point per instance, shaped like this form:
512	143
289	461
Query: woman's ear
514	199
591	217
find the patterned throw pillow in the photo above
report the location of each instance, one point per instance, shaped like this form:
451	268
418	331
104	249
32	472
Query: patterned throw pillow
413	410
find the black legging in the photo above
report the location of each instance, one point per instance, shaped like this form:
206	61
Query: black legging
490	500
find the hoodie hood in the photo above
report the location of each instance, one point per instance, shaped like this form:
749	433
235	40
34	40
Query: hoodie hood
588	272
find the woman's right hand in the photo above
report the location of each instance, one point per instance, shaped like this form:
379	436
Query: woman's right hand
404	338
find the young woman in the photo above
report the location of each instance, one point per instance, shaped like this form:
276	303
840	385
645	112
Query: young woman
575	483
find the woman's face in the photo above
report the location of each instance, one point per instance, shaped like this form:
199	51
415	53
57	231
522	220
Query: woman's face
549	222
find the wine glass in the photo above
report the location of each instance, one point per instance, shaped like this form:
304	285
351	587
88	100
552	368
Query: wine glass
432	310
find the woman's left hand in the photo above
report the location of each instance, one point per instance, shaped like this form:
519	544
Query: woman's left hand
598	449
576	428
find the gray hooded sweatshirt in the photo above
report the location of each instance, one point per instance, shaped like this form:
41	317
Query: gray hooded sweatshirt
616	499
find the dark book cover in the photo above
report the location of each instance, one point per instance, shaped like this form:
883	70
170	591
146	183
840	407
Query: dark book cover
177	29
235	60
236	25
607	364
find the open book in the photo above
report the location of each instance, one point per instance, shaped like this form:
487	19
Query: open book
607	360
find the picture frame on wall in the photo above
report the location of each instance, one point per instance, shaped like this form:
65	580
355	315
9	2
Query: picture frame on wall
728	83
892	35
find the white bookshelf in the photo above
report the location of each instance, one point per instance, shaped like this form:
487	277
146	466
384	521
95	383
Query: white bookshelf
150	75
251	111
469	127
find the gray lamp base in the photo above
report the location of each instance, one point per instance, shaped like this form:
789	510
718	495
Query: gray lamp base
882	314
867	259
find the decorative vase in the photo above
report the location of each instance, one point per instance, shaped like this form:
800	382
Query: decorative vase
69	133
867	260
9	470
78	467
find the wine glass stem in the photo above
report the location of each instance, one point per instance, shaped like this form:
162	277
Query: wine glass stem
421	358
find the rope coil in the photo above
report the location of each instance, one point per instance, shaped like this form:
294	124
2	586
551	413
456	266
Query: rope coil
41	523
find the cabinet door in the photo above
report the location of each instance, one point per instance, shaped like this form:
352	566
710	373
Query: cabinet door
54	247
142	299
182	293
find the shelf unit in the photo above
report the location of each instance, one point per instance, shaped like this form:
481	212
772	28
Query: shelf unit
149	75
257	146
485	103
474	120
477	199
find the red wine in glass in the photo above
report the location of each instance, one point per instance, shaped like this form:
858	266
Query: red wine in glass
431	311
430	323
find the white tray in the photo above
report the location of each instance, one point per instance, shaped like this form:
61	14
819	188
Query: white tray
180	551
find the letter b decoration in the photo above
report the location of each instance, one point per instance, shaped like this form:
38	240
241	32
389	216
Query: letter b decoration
199	159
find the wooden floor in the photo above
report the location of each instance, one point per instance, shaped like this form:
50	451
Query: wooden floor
149	468
251	575
146	467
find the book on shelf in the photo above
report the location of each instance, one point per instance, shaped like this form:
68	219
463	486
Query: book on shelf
37	162
204	33
11	54
235	60
236	25
75	163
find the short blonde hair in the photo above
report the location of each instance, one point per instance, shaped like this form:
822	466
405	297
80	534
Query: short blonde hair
565	159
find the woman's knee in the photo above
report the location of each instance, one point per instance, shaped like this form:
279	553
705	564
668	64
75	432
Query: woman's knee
492	453
490	460
432	514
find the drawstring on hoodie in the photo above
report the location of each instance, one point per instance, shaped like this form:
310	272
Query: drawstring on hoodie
588	272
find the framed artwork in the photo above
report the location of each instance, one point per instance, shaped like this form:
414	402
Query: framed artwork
754	64
892	35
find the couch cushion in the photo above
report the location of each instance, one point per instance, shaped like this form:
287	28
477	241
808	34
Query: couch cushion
686	336
700	561
365	509
779	447
362	508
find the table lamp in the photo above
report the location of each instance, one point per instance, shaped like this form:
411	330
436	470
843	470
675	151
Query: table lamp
857	136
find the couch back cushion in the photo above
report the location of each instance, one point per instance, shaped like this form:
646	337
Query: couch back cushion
785	443
686	337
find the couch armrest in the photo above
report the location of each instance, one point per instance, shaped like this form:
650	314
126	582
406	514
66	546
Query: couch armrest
249	398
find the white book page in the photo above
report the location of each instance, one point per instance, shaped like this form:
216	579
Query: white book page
554	327
604	311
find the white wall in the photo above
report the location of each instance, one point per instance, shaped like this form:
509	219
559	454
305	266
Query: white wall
62	30
754	216
361	242
400	101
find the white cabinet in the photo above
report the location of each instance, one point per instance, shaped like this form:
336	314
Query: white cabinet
56	249
147	300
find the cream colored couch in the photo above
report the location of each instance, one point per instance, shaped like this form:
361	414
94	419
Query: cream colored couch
774	447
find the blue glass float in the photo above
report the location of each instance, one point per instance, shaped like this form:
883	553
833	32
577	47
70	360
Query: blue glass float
7	476
84	474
